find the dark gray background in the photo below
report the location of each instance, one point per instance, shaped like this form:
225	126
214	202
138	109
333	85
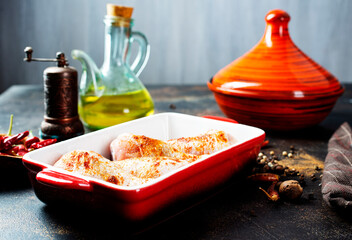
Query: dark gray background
190	39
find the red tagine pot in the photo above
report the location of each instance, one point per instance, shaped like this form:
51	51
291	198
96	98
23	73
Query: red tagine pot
275	85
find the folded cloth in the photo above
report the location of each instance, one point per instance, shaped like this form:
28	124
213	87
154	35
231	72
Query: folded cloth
337	175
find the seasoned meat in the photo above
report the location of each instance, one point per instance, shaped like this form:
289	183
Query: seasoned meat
129	172
142	159
131	146
210	142
134	146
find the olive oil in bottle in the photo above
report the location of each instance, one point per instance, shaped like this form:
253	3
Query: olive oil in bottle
107	110
114	94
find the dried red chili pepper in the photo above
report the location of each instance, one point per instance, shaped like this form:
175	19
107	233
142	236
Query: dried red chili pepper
265	143
30	141
272	194
2	138
43	143
12	140
264	177
18	150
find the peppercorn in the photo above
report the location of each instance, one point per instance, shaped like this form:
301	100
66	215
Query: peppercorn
252	213
290	155
172	106
262	161
272	153
279	169
284	153
301	180
266	168
313	177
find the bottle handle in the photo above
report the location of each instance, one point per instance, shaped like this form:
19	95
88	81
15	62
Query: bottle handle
143	52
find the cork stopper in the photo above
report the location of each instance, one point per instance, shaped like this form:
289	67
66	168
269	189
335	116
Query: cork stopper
119	11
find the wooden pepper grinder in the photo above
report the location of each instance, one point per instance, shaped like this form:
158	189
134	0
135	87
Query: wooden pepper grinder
61	120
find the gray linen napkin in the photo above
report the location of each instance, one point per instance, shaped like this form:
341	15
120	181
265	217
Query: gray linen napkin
337	175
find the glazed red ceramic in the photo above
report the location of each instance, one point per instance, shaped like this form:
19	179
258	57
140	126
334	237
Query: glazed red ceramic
55	186
275	85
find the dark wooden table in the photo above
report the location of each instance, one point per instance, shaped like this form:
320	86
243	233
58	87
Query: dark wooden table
237	210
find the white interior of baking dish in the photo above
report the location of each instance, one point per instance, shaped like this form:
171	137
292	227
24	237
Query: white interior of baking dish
161	126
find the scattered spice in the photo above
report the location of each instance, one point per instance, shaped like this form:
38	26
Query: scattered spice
279	169
252	213
172	106
318	168
291	189
303	162
265	143
313	177
291	168
272	194
264	177
301	180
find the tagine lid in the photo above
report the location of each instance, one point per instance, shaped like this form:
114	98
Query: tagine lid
276	68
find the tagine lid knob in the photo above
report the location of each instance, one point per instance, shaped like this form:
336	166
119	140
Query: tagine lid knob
277	15
275	68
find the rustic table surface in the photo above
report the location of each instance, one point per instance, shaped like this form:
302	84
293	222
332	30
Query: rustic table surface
237	210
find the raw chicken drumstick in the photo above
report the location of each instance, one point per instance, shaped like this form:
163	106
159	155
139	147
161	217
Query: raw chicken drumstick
134	146
129	172
131	146
142	159
210	142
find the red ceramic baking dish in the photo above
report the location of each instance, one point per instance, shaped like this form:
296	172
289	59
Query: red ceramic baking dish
53	185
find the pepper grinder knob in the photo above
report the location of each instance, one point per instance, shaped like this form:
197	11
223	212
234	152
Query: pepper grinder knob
28	51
